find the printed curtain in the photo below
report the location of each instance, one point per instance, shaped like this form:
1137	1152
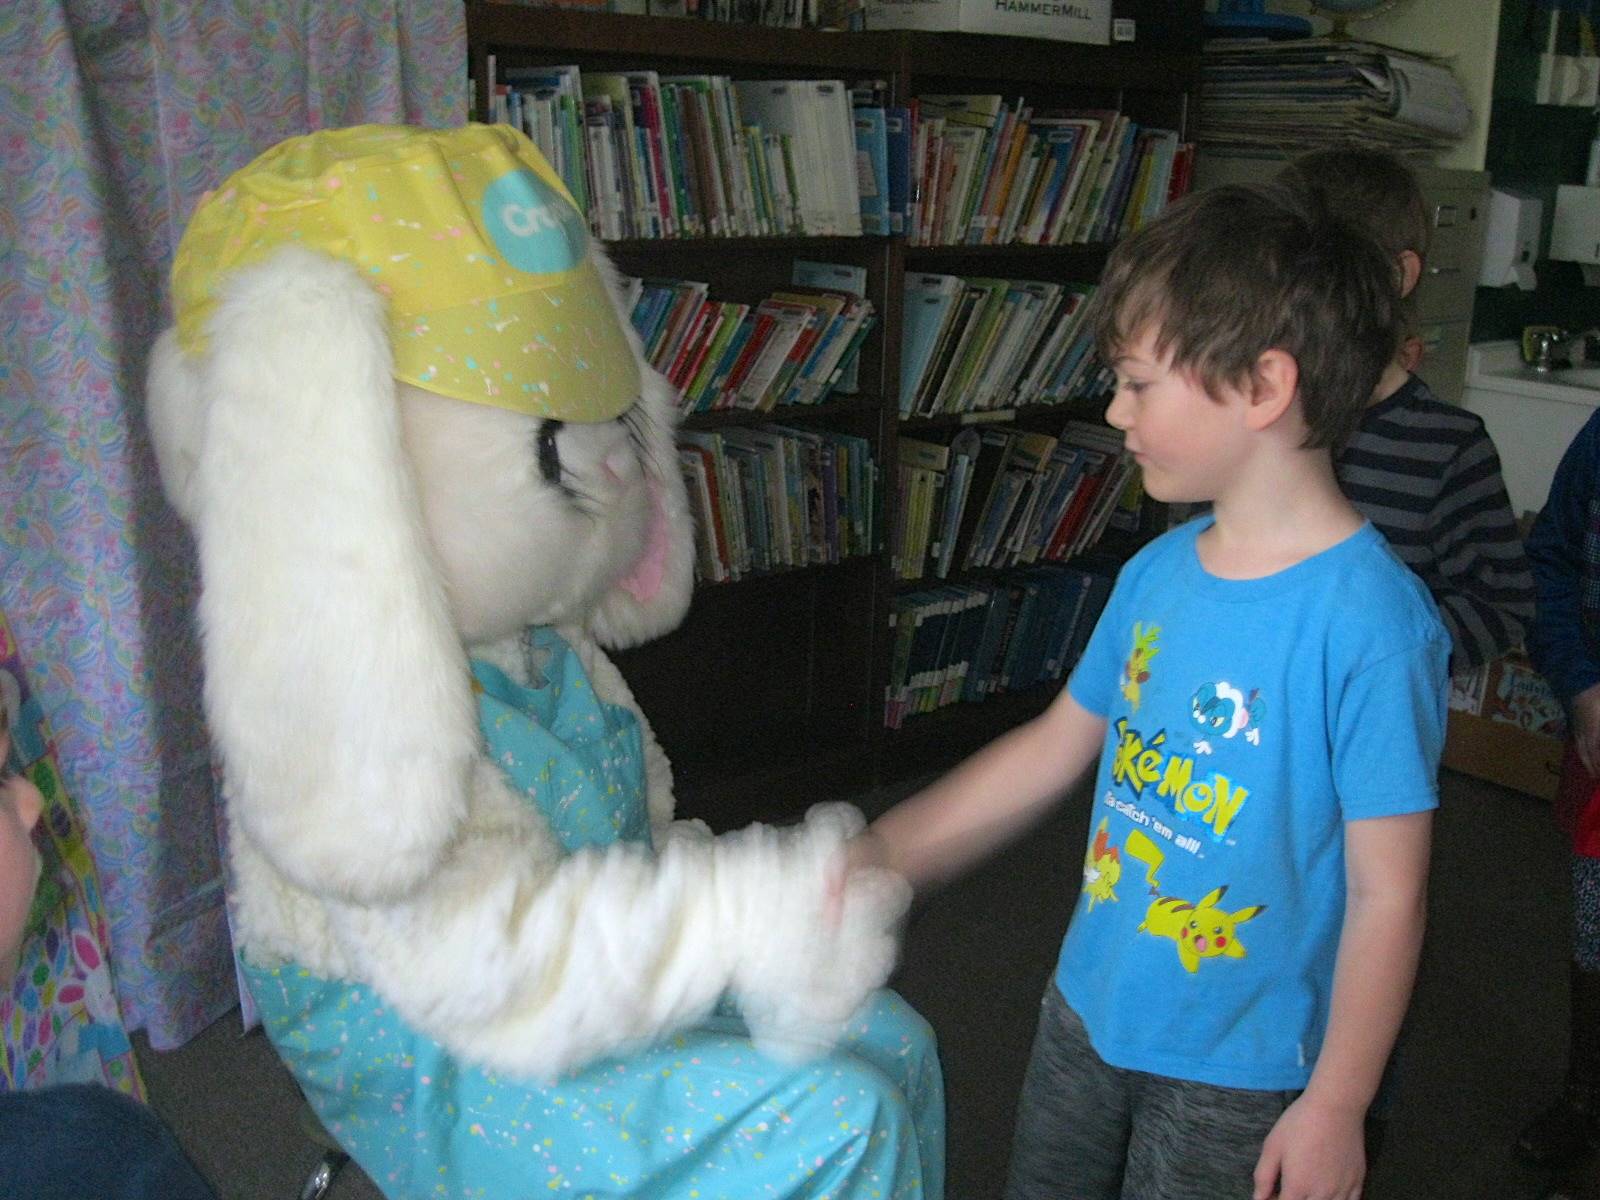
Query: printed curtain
115	116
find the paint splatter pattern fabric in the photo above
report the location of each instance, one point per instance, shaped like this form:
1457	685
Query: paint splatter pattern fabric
699	1116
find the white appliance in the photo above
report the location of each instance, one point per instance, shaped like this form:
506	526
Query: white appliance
1511	240
1575	229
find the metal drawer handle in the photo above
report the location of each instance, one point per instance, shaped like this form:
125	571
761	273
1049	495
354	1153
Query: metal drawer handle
1444	215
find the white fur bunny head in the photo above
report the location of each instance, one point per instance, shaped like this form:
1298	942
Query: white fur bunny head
362	515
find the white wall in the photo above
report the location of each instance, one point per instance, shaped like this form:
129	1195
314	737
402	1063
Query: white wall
1531	436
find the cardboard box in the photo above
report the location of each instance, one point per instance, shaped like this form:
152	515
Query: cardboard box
1506	726
1503	753
1509	690
1058	20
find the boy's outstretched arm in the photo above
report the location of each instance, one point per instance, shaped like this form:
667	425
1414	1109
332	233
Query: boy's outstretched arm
990	798
1316	1149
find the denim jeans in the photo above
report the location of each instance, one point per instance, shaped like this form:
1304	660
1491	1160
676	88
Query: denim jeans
80	1140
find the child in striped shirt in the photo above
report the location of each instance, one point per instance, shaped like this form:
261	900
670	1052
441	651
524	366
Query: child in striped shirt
1425	472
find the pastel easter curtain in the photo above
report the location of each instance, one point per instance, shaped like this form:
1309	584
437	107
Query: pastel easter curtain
115	115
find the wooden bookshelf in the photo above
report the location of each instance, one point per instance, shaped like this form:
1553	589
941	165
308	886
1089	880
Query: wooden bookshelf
611	38
853	408
1078	262
769	697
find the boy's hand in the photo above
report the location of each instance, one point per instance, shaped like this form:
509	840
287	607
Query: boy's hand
1316	1151
864	850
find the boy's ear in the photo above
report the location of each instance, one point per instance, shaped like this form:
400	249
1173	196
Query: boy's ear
1274	382
1410	271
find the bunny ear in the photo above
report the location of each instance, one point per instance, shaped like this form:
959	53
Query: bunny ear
175	411
336	686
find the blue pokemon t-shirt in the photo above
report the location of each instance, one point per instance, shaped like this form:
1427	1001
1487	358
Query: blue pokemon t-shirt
1247	721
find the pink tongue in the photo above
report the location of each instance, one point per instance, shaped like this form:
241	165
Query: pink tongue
644	581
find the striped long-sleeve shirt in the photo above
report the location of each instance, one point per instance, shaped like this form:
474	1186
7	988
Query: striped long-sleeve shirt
1427	475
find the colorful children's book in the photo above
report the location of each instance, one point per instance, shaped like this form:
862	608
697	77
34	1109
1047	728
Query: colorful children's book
897	150
872	169
925	308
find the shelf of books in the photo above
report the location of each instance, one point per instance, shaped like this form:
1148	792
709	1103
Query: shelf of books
862	261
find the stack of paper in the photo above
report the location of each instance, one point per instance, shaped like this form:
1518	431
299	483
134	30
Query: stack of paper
1282	98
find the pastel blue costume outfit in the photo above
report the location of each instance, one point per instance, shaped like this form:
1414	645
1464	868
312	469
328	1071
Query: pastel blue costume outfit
701	1115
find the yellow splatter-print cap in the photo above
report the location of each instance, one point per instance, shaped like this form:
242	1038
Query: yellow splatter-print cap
470	237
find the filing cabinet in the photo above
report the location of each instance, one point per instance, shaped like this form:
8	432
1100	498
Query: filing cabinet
1458	208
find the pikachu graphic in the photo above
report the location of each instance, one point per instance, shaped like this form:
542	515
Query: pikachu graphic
1136	670
1201	929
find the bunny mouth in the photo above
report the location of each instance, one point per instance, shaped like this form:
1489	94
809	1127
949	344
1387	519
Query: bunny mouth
643	581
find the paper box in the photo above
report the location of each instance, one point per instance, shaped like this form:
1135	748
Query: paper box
1518	695
1059	20
1506	726
1503	753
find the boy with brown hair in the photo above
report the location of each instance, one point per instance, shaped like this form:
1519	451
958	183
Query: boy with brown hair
1253	902
1424	472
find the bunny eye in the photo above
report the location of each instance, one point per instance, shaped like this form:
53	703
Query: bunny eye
633	420
549	453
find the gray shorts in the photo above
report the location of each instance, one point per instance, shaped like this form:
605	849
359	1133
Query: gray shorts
1089	1131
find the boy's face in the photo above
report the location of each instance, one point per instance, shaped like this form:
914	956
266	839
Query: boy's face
1187	441
19	861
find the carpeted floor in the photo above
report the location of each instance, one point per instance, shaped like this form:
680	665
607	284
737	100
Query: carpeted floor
1484	1046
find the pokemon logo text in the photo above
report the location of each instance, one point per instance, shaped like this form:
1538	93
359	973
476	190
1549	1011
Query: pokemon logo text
1138	763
